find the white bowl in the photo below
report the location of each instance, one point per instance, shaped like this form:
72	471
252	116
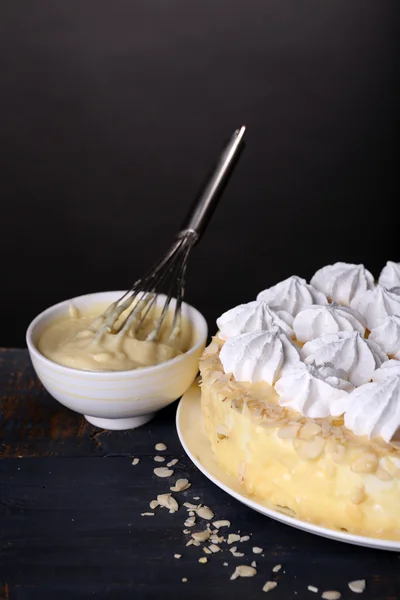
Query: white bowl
116	399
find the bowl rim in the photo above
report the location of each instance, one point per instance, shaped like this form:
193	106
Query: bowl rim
138	372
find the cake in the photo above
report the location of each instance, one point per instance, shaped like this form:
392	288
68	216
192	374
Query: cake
300	394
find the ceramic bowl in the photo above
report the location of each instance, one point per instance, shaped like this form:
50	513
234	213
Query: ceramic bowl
116	399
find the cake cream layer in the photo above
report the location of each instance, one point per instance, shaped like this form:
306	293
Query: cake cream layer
314	469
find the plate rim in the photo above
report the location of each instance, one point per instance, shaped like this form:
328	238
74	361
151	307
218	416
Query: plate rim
349	538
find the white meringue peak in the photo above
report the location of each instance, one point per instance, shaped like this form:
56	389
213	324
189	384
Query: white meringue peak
314	392
317	320
345	351
292	295
390	275
253	316
387	336
377	305
374	409
259	356
390	368
341	282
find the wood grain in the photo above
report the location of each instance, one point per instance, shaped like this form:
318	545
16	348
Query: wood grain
71	525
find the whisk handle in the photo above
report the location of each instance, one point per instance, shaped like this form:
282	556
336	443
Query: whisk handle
202	209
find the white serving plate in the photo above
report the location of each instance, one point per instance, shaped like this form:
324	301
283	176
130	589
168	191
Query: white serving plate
191	432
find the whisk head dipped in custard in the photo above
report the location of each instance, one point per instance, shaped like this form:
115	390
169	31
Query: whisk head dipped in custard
133	309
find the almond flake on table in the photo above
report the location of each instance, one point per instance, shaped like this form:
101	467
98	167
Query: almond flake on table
153	504
159	458
147	514
168	501
180	485
269	585
331	595
206	550
135	461
201	536
233	537
226	564
172	462
163	472
184	579
312	588
257	550
243	571
217	539
277	568
196	498
234	552
204	512
203	559
190	506
160	447
254	564
244	538
357	586
214	548
177	555
222	523
190	522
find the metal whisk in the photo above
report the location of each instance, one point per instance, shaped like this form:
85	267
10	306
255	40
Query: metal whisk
169	272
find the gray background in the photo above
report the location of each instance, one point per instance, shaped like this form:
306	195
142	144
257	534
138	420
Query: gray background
113	112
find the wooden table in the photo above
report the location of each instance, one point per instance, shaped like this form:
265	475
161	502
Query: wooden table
71	525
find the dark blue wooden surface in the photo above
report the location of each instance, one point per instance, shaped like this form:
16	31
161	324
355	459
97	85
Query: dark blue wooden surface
71	525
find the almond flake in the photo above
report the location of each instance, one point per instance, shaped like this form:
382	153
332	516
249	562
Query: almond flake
180	485
277	568
217	539
186	531
205	512
331	595
257	550
168	501
177	555
184	579
135	461
269	585
203	559
160	447
243	571
214	548
190	506
222	523
236	554
191	513
206	550
312	588
226	564
153	504
172	462
245	538
233	537
201	536
190	522
163	472
147	514
254	564
196	498
357	586
159	458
